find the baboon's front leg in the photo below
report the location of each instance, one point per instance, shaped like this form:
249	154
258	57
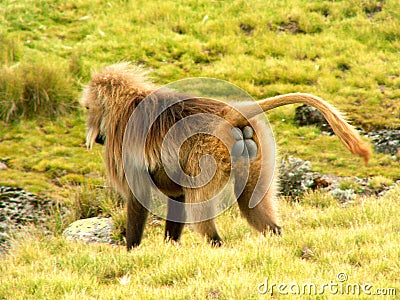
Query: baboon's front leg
136	219
173	229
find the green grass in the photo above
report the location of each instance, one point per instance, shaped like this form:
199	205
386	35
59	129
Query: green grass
359	240
343	51
32	86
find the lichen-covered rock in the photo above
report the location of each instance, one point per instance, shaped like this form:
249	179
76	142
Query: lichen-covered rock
19	208
386	141
343	195
91	230
295	176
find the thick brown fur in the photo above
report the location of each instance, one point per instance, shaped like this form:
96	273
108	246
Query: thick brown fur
114	93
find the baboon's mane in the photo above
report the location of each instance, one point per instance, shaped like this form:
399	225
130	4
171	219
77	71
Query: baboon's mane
121	89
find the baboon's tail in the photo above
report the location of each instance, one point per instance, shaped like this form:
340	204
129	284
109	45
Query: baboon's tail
346	133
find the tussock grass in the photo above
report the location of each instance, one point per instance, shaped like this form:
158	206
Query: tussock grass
32	87
88	201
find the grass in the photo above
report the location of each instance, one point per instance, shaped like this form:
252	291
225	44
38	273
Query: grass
32	86
343	51
359	240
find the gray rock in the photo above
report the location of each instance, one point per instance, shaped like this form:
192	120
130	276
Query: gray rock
295	176
19	208
91	230
386	141
343	195
307	115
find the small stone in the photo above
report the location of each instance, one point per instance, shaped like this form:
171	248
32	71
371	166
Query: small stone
307	253
3	166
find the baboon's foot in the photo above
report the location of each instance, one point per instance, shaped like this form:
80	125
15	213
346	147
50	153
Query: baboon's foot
216	242
173	231
277	230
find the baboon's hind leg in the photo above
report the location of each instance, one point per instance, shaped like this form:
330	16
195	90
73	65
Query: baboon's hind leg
173	229
209	230
136	219
206	228
263	216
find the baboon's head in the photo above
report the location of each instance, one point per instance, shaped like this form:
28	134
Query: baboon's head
110	97
95	107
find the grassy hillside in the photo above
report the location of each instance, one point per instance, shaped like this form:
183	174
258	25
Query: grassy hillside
344	51
321	240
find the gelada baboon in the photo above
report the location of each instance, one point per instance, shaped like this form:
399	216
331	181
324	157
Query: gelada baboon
113	94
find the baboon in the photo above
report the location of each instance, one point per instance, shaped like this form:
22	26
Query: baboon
112	96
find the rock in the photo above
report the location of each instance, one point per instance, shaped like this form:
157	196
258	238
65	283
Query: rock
386	141
307	253
295	176
343	195
91	230
19	208
3	166
308	115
